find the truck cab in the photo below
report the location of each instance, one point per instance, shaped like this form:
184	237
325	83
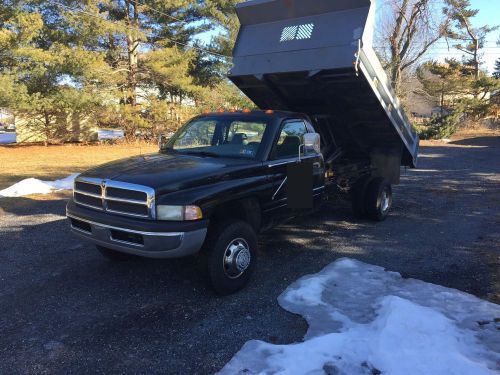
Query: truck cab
214	185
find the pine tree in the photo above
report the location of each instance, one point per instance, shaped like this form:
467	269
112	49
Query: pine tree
496	72
125	63
444	81
470	39
457	90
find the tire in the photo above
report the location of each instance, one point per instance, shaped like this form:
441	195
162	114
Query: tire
378	200
115	255
231	253
358	194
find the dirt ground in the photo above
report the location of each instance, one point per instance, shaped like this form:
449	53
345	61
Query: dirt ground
64	309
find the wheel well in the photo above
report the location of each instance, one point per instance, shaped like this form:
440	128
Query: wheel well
247	209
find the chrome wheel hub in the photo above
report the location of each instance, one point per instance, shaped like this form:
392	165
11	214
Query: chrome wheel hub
385	201
237	258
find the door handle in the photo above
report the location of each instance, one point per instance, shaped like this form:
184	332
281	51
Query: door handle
317	165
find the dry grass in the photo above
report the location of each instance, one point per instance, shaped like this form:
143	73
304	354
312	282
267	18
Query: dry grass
474	133
54	162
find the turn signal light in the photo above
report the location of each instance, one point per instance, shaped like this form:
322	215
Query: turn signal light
192	213
269	112
246	110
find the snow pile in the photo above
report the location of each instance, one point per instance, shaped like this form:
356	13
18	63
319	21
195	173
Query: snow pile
103	134
364	320
35	186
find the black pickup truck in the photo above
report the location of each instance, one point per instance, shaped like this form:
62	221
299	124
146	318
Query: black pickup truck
225	177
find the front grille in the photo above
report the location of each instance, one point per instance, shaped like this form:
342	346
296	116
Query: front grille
124	207
88	200
88	188
126	194
115	197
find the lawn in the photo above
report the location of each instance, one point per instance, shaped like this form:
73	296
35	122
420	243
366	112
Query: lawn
49	163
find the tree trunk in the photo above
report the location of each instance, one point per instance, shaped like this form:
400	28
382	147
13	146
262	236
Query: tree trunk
476	59
411	28
132	50
441	102
46	129
396	77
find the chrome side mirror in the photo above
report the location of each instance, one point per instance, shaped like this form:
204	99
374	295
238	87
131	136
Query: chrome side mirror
312	142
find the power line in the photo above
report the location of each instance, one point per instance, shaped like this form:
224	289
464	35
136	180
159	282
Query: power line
451	49
441	48
139	30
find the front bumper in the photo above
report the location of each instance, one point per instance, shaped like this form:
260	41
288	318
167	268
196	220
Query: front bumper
145	238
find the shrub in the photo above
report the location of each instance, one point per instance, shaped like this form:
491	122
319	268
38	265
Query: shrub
439	127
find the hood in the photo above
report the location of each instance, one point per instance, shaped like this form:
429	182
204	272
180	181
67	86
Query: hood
170	172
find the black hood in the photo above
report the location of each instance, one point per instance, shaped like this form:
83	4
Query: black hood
170	172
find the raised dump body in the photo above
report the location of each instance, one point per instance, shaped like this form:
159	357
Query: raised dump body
316	57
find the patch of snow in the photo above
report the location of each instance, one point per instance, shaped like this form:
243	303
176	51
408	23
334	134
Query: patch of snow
103	134
30	186
366	320
9	137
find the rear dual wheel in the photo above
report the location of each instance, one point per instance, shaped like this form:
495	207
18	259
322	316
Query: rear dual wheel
372	198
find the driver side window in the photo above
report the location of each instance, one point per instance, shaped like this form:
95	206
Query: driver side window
291	137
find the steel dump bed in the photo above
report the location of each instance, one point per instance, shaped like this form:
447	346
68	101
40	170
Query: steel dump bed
316	57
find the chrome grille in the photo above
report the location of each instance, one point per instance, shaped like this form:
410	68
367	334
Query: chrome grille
115	197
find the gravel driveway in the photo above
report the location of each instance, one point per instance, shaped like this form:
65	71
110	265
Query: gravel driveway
65	309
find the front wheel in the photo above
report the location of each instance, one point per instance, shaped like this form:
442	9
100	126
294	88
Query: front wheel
378	201
232	252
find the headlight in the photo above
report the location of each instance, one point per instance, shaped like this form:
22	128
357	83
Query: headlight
178	213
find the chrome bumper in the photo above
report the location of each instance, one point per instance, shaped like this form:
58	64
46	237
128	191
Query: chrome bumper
141	243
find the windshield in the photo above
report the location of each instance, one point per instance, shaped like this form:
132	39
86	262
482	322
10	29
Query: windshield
222	137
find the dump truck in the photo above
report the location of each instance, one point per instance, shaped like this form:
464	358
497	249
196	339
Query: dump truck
328	123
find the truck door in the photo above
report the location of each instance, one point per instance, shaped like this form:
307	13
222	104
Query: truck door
285	153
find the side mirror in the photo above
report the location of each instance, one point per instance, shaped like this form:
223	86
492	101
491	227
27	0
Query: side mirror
312	142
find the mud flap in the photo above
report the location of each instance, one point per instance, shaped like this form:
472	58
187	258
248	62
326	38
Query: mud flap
299	187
